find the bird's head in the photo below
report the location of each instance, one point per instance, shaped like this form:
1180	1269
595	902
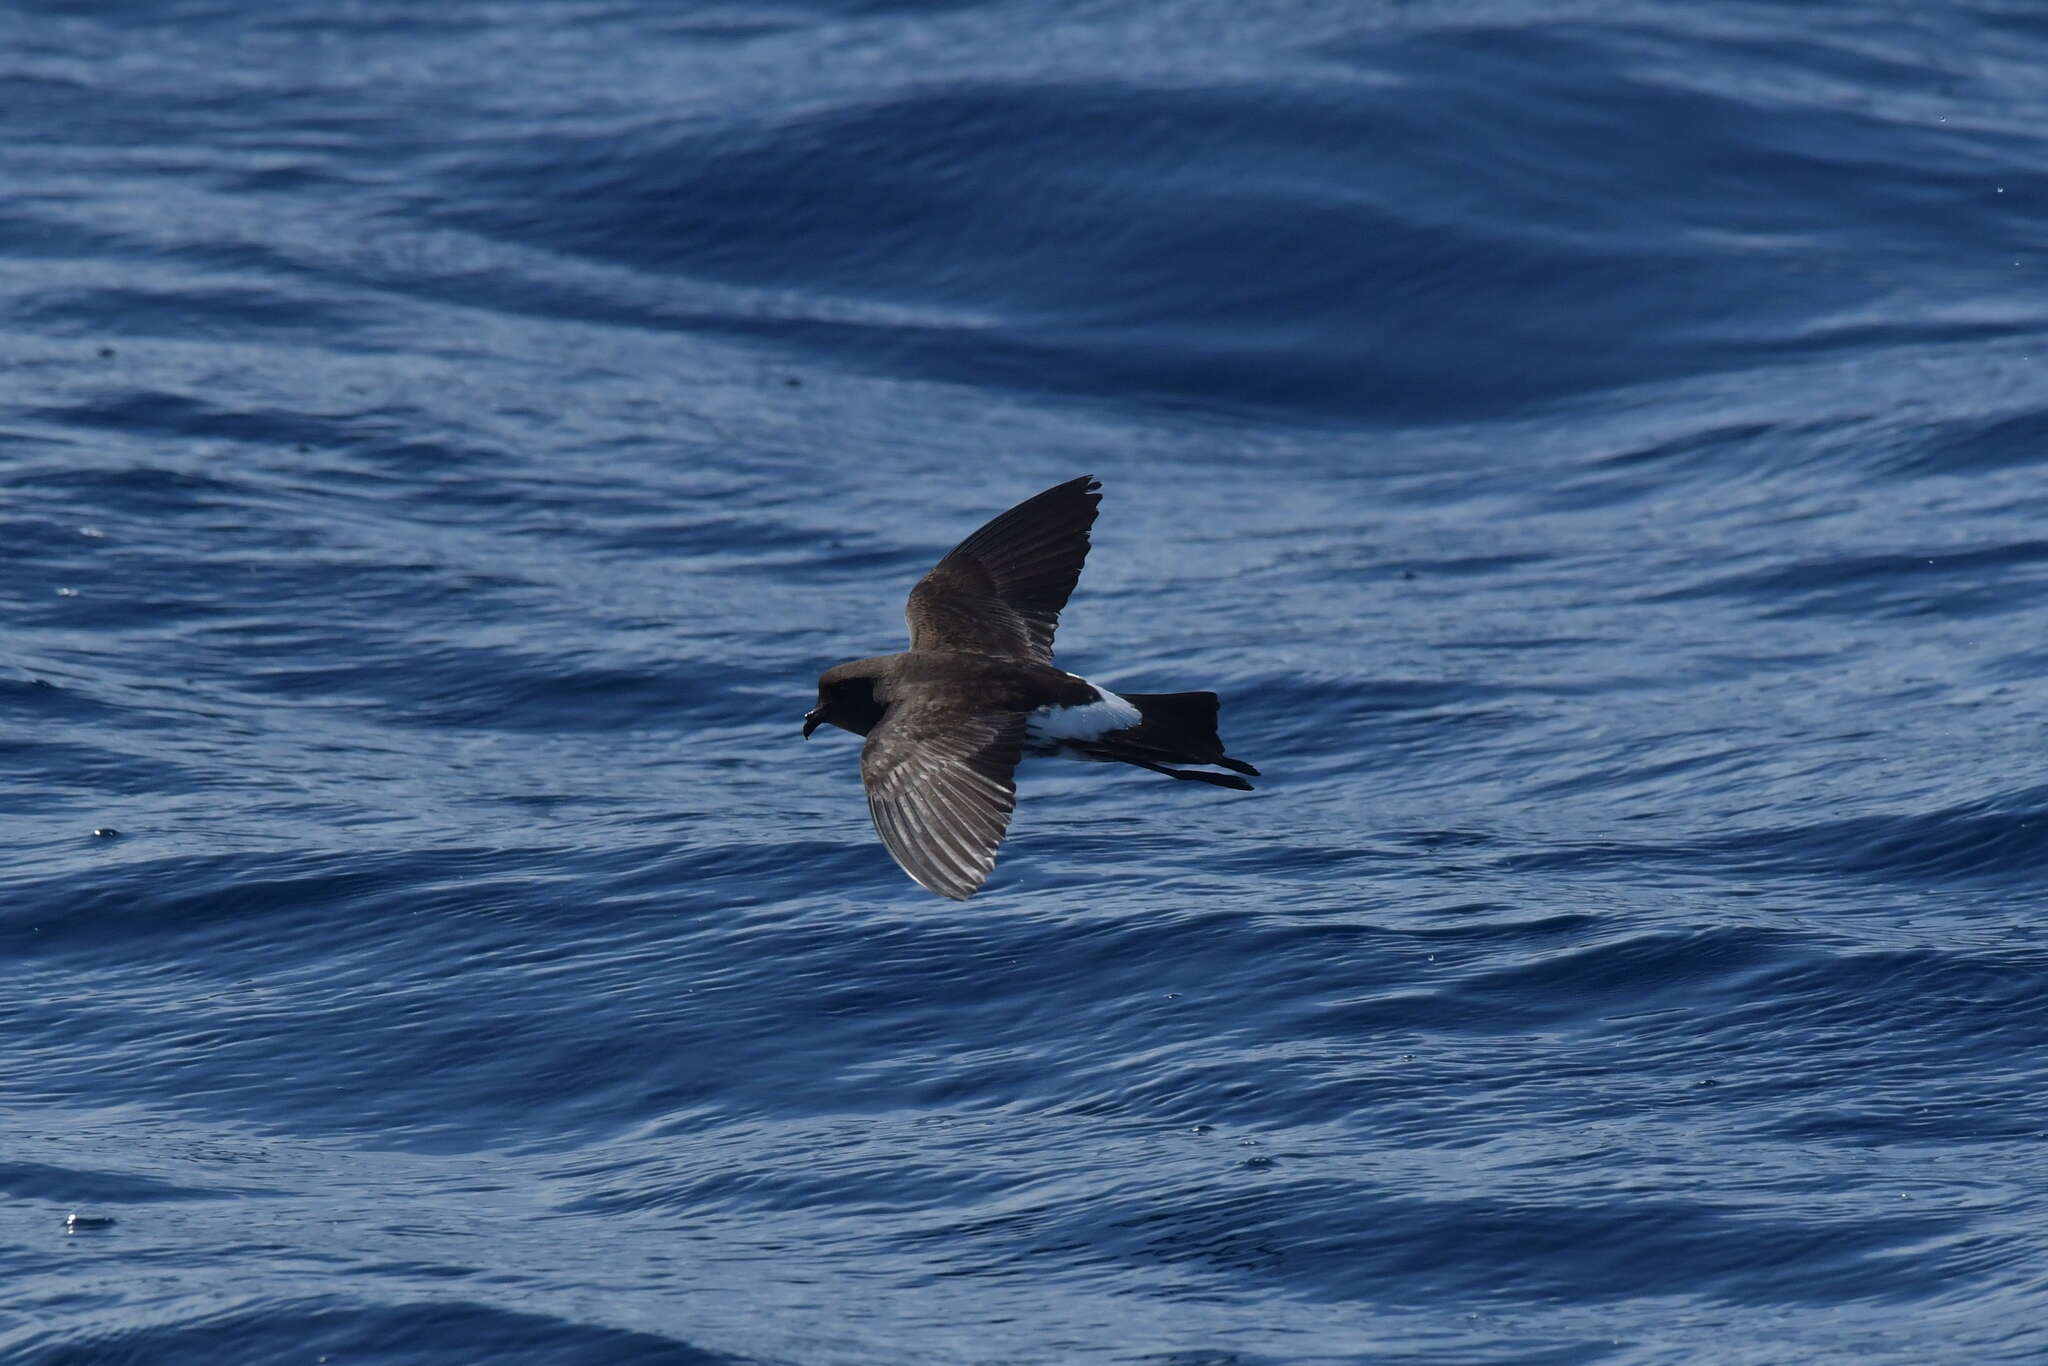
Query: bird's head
846	699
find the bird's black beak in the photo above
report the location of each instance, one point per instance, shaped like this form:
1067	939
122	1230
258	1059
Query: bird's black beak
812	720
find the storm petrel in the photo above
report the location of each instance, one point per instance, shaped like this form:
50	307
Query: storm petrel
948	720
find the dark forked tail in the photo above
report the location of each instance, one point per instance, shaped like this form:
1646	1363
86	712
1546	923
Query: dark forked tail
1181	728
1178	728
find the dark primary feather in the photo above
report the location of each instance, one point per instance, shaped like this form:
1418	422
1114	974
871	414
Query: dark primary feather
1000	591
941	787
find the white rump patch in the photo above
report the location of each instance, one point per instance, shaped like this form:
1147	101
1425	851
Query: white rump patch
1051	725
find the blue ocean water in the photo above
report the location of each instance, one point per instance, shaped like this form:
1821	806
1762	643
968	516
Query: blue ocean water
1598	449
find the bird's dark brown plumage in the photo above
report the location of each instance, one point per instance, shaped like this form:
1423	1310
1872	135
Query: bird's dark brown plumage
941	786
948	720
1000	591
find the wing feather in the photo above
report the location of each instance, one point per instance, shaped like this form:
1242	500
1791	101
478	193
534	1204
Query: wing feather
941	788
1000	591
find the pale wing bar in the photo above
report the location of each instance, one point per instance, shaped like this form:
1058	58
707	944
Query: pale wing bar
1000	591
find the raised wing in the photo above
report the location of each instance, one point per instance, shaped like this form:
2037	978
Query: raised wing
1000	591
941	788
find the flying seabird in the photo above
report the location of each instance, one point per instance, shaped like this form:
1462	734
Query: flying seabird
948	720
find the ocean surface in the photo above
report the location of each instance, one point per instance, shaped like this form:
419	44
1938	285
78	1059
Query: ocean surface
1598	449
